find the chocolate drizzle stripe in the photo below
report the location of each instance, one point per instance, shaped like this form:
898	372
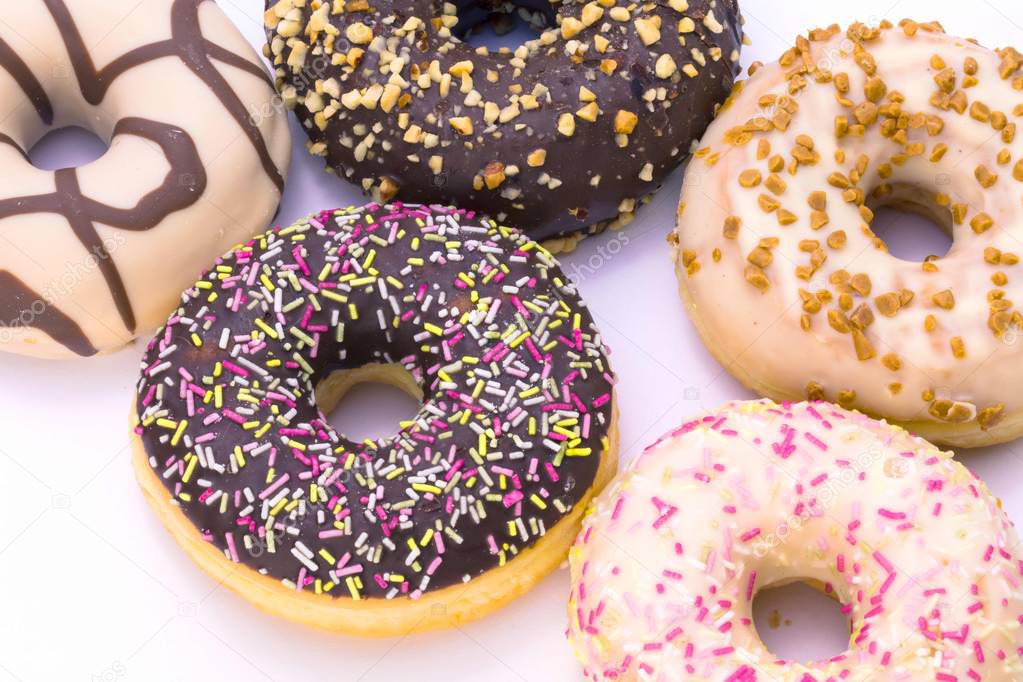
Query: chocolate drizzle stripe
183	185
11	142
187	44
18	309
33	89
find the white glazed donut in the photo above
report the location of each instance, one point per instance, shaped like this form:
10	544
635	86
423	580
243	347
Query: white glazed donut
667	565
787	284
197	160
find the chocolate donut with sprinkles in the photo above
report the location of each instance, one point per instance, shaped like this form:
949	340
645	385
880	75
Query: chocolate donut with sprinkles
564	134
467	506
779	266
758	494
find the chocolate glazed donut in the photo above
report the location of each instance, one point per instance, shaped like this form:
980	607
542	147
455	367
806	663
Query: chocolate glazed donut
515	434
569	131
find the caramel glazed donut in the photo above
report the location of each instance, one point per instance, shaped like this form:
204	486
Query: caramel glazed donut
781	273
466	507
94	255
666	568
569	130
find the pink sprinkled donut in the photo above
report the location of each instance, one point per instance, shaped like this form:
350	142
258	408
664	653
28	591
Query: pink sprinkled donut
666	568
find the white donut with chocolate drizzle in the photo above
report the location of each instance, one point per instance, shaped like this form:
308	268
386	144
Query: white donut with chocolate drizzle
197	161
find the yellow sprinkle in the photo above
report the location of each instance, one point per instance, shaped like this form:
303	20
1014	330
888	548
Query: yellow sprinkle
267	329
192	461
302	336
519	339
333	295
179	432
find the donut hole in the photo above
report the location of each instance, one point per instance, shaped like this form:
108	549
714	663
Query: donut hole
798	622
369	402
70	147
501	25
909	221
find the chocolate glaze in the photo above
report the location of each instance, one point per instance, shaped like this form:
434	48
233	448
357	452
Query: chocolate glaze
188	368
662	135
182	186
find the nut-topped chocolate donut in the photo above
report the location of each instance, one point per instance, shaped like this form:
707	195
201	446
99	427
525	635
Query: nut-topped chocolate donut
94	255
779	267
567	132
466	506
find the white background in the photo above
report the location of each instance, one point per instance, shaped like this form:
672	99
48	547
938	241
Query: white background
92	588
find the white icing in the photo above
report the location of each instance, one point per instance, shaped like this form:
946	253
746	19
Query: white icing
758	334
757	494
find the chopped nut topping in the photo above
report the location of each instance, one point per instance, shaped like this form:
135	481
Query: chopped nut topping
755	276
944	299
864	351
494	175
537	158
625	121
731	227
985	177
463	124
958	347
566	125
570	27
990	416
588	112
649	29
665	66
749	178
359	33
981	223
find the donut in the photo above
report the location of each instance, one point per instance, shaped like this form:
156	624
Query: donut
759	494
197	161
785	280
394	101
466	507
